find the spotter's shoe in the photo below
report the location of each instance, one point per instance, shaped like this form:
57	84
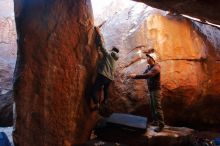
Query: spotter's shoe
159	129
153	123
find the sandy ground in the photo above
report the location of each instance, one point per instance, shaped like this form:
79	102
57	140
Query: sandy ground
8	132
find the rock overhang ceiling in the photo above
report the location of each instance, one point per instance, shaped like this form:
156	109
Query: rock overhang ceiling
205	10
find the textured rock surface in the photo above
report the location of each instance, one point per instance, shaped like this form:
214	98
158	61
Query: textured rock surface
104	13
8	49
205	10
171	136
6	109
54	69
8	45
188	53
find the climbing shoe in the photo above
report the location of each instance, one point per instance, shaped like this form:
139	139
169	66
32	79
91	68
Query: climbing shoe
159	129
105	102
95	100
153	123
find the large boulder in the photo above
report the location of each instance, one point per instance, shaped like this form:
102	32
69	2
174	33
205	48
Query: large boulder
188	53
54	71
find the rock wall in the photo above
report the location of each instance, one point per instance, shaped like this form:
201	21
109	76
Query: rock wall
188	54
115	6
8	48
6	109
54	71
8	45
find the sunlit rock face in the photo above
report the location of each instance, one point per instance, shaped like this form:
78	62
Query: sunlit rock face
8	49
54	71
188	53
7	45
102	13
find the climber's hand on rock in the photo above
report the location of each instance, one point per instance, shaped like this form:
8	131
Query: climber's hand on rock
132	76
97	30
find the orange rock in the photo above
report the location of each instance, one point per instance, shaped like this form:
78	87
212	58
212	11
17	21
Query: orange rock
188	57
55	67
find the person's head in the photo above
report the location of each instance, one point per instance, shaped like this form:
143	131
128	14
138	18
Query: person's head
151	58
148	51
115	49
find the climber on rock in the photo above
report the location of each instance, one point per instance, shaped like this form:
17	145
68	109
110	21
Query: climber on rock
152	75
106	69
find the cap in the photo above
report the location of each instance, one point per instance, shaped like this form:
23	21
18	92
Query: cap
152	55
